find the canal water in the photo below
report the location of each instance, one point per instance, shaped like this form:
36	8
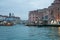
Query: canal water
21	32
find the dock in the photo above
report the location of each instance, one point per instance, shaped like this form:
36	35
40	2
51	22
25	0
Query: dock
43	25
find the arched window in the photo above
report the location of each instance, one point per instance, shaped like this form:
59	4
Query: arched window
58	9
46	17
52	12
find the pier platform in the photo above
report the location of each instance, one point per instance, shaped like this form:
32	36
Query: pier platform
52	25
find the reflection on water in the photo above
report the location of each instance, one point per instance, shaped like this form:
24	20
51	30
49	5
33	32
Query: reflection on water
21	32
59	30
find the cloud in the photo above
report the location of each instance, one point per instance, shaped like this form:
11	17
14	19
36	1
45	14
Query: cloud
40	3
35	4
22	7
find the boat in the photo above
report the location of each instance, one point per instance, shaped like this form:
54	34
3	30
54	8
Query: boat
8	24
5	23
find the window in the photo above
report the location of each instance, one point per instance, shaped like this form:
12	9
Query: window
36	17
46	17
42	17
51	12
58	8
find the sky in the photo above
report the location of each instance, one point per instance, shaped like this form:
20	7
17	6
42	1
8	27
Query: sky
21	8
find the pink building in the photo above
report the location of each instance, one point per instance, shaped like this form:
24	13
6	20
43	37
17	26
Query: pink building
54	11
49	14
35	16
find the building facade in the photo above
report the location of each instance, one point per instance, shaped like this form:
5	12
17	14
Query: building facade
54	12
35	16
51	14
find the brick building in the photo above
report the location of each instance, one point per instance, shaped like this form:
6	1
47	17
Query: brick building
54	11
51	14
37	16
34	16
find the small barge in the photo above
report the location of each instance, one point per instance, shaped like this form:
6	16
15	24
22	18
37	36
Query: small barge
8	24
4	23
